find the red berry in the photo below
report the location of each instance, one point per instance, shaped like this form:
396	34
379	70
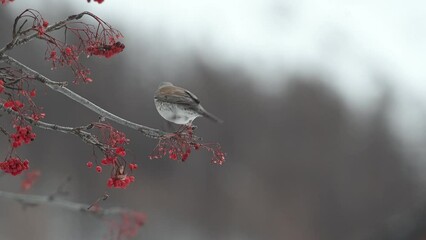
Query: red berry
53	55
1	86
98	169
110	182
89	164
133	166
120	151
68	51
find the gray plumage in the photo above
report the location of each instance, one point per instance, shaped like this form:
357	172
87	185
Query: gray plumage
179	105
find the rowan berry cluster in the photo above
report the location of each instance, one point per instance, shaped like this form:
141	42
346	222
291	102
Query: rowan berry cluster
120	178
178	146
122	182
114	151
23	134
18	96
113	139
99	39
15	105
16	86
14	166
106	50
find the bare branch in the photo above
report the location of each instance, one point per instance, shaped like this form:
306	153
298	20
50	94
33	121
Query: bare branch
28	199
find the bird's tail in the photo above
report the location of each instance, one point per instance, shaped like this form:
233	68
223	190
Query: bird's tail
210	116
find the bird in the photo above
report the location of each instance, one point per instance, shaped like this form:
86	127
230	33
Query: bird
180	106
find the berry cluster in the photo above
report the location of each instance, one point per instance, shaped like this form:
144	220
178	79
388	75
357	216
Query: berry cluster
16	105
106	50
68	56
178	145
119	178
109	161
14	166
20	94
133	166
22	135
99	40
218	156
20	98
122	182
114	142
120	151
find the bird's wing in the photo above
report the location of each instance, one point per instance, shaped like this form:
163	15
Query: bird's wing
173	94
191	95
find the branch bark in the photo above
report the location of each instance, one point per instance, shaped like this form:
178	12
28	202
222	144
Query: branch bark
61	88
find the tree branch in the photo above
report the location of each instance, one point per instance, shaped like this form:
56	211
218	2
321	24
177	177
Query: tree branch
60	87
78	131
29	199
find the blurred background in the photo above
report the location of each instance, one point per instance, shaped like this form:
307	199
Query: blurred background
324	111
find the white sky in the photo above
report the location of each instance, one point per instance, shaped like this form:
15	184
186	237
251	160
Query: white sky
350	42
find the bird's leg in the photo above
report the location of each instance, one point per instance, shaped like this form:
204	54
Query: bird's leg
181	128
169	126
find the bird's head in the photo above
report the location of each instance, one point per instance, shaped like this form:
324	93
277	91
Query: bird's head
163	84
